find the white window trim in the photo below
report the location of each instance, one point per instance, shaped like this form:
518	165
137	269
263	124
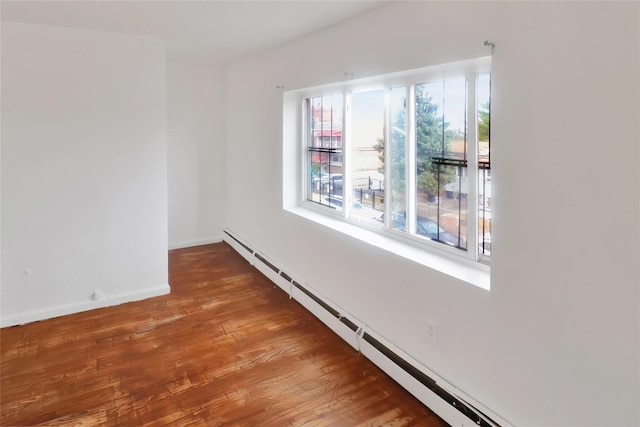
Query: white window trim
449	261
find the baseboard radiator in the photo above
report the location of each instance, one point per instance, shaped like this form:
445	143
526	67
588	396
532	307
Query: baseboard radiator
442	398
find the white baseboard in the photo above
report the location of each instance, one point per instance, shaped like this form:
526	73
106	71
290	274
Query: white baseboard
191	243
77	307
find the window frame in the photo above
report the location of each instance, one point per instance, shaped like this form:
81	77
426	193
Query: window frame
470	70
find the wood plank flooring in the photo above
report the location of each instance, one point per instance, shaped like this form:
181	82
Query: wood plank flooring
225	348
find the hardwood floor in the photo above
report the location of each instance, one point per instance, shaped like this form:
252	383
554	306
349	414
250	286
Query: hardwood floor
225	348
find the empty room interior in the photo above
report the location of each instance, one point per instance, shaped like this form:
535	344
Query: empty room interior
334	165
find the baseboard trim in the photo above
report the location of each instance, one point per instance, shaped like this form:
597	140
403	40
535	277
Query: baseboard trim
197	242
80	306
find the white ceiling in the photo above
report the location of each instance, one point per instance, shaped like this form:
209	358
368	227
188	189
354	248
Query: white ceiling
210	32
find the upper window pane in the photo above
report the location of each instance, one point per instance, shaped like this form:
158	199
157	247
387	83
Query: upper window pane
325	115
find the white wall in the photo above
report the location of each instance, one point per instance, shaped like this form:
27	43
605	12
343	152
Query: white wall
195	132
84	175
556	340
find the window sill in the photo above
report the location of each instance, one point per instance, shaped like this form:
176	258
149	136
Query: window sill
474	273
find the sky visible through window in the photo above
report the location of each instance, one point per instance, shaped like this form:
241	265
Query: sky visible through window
366	105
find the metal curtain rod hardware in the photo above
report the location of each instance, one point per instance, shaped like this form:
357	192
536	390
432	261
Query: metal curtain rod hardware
490	44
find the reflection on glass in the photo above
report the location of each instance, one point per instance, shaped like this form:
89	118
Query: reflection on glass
367	161
397	157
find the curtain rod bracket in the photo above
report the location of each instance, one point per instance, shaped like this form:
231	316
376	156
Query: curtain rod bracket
491	45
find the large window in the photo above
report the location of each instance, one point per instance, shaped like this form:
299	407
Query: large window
406	154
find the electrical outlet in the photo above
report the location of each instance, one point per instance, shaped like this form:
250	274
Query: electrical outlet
431	329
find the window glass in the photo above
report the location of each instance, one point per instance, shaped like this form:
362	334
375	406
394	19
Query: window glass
397	157
367	165
325	119
484	165
441	152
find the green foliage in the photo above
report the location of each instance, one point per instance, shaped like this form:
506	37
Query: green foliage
379	147
483	123
432	139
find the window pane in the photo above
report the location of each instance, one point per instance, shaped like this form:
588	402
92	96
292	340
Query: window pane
367	161
398	169
484	165
324	148
484	212
441	155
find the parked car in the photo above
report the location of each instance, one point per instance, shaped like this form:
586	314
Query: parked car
329	183
336	182
358	210
321	180
424	227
